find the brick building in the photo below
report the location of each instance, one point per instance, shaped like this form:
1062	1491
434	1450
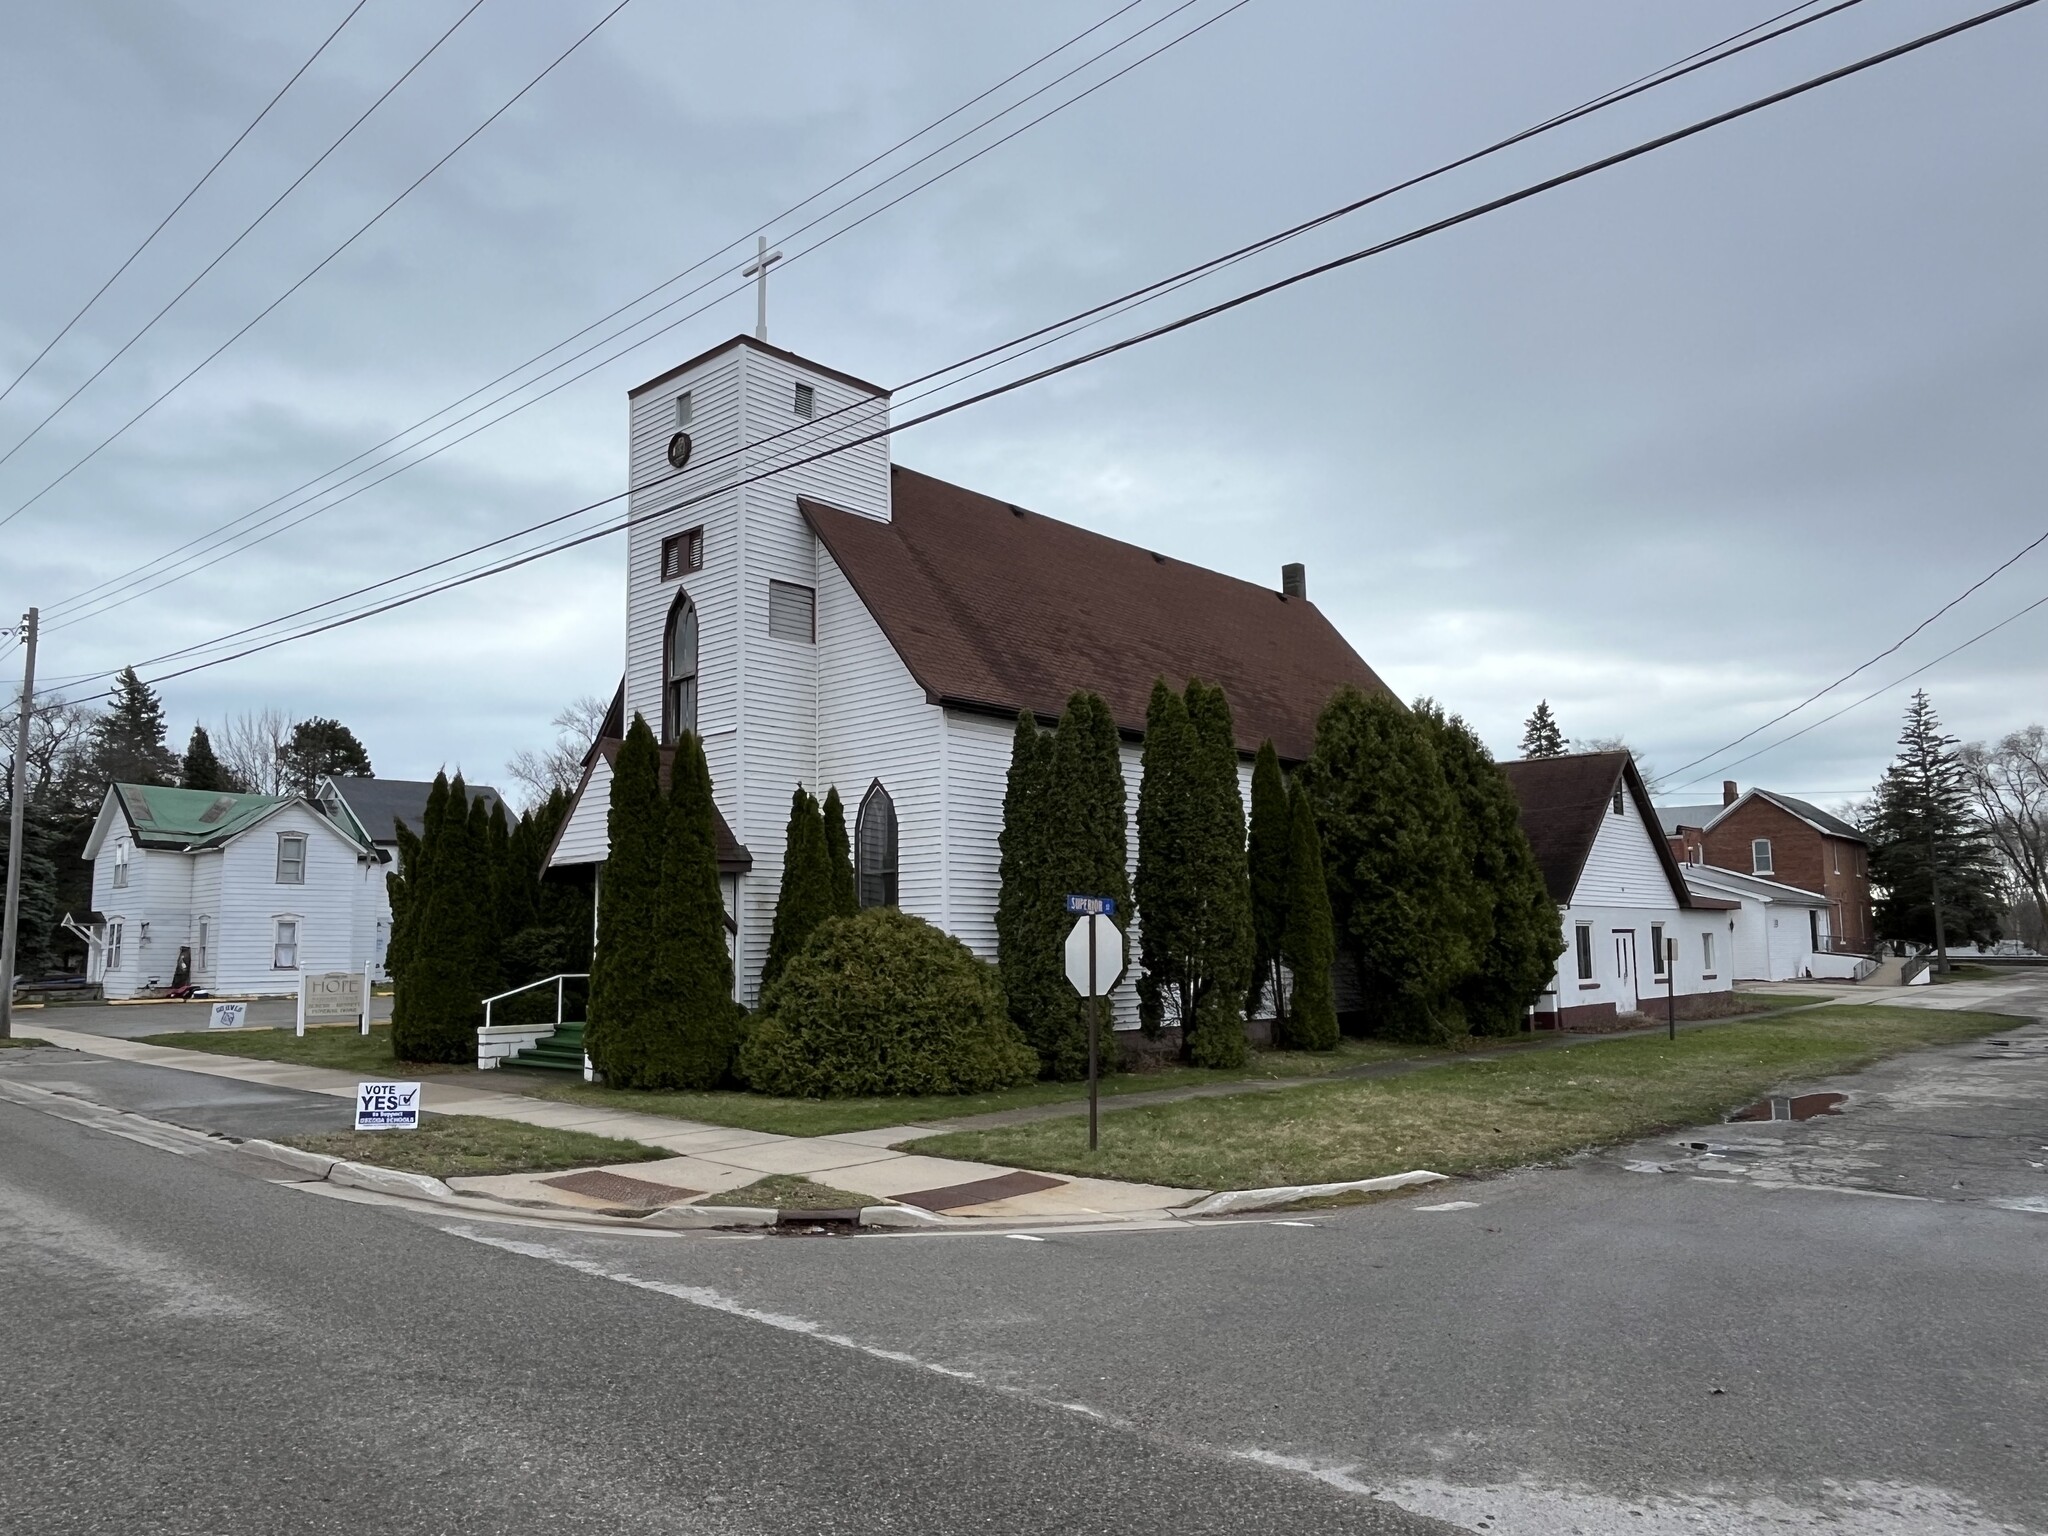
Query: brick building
1760	832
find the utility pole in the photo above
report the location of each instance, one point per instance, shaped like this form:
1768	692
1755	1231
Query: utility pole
10	920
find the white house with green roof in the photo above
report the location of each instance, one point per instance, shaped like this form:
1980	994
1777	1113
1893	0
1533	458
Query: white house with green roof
235	894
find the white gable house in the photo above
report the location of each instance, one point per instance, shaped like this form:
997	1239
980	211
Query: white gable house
1635	933
851	623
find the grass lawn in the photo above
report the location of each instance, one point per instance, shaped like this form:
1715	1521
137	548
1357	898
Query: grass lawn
792	1192
340	1046
449	1145
829	1117
1469	1117
21	1041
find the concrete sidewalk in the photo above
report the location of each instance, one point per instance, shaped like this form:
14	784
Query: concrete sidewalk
707	1160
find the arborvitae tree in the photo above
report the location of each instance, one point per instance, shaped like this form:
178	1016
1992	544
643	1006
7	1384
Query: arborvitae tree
805	898
1540	735
317	748
494	842
441	997
410	882
845	895
1030	913
1392	849
1931	861
1225	955
1266	855
201	769
696	1048
128	740
1168	888
1515	926
38	915
625	977
1308	941
564	904
1087	855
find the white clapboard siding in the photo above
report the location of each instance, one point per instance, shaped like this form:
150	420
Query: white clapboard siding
1623	869
154	908
206	877
252	900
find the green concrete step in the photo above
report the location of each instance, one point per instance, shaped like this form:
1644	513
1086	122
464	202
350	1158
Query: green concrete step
561	1051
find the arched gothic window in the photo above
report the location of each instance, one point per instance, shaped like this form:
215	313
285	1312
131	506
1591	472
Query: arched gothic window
875	848
679	671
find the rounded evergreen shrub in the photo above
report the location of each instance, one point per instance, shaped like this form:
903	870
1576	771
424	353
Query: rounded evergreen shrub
884	1003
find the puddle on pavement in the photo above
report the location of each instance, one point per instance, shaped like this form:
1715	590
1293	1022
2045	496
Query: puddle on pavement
1799	1107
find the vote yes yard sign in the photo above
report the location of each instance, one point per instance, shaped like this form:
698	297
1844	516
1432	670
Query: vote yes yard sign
387	1106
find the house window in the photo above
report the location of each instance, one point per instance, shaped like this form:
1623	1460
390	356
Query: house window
875	848
121	867
1707	953
1657	966
792	612
1618	791
284	946
199	959
679	671
1584	942
291	858
116	931
685	410
682	553
1760	856
806	401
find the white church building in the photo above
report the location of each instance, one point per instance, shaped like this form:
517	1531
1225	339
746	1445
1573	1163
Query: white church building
849	622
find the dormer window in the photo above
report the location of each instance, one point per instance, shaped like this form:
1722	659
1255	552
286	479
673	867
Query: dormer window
806	402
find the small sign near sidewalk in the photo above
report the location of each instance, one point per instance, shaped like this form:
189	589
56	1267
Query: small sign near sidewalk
334	997
227	1016
1094	960
387	1106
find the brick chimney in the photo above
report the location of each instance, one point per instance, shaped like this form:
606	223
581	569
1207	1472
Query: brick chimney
1294	580
1729	793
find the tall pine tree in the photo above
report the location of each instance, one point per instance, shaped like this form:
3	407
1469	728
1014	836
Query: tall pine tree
439	1002
1515	925
1540	735
805	898
1222	961
625	968
1167	888
201	769
128	740
697	1048
408	884
1308	938
1930	859
839	853
1266	855
1393	849
1030	915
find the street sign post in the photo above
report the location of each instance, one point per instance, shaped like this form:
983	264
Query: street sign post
1094	962
387	1106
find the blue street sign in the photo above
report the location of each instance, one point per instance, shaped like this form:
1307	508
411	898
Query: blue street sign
1092	906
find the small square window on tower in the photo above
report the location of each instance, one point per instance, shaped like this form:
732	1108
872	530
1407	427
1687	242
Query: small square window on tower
684	410
682	553
806	400
792	612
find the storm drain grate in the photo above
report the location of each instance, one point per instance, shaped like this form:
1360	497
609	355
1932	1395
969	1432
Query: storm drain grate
617	1189
953	1196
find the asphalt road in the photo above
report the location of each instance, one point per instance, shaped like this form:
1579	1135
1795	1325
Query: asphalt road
1830	1326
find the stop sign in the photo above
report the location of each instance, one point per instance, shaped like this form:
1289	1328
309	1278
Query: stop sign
1109	954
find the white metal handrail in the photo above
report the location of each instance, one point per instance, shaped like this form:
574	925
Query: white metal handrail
565	976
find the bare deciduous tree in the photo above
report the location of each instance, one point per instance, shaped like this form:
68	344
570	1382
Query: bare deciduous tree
248	748
560	766
2009	783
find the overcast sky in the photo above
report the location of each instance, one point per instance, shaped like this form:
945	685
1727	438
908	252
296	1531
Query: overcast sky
1673	447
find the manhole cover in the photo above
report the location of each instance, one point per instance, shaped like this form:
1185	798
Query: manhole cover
1799	1107
617	1189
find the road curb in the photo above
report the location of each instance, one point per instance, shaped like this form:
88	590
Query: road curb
1226	1201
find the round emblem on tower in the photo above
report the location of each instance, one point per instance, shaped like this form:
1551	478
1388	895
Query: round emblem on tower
679	449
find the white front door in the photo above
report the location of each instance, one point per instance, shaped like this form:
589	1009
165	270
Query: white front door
1625	968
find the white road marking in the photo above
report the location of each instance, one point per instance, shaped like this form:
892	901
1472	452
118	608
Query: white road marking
1023	1237
1451	1205
1291	1224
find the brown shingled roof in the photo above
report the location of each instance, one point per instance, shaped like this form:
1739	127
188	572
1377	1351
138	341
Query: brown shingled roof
1563	802
998	609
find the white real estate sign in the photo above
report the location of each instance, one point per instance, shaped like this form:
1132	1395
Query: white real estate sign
387	1106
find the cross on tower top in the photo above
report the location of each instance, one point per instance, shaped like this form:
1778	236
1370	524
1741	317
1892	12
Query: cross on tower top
757	269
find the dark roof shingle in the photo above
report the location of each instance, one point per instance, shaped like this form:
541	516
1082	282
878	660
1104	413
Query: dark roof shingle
998	609
1564	801
379	804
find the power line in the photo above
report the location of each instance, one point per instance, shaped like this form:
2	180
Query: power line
132	579
250	229
1863	666
1508	200
192	192
322	263
1055	331
1725	49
